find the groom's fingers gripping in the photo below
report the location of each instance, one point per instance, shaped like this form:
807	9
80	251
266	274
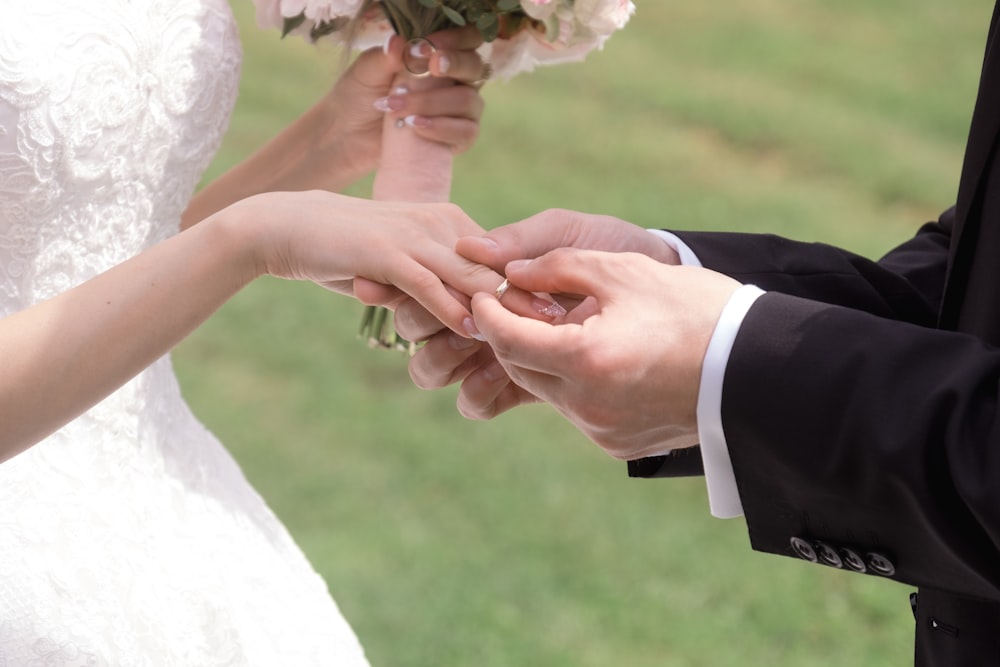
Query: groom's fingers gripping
471	278
523	342
526	239
573	271
431	290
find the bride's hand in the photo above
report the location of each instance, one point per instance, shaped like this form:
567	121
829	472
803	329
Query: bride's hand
330	239
364	94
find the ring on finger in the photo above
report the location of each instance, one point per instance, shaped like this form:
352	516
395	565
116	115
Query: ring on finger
484	76
502	289
414	59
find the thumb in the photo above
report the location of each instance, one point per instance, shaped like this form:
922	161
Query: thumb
526	239
570	271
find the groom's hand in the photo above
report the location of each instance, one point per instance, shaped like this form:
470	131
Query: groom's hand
486	389
625	365
559	228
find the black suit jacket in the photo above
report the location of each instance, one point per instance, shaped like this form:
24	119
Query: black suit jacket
861	403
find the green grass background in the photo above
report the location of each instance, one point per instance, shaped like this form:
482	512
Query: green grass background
516	541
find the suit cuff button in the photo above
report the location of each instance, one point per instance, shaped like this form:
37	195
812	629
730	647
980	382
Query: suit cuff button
804	550
853	560
880	565
828	555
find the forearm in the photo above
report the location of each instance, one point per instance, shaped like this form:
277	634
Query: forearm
312	153
60	357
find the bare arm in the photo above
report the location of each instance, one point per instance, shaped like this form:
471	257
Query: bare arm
62	356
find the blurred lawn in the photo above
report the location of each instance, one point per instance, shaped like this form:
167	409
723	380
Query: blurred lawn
517	542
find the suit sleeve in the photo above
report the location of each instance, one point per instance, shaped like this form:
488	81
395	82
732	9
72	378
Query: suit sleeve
871	434
906	284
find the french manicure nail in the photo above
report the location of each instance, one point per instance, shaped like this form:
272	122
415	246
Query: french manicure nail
420	48
386	43
444	64
390	103
470	328
417	121
517	264
549	308
400	90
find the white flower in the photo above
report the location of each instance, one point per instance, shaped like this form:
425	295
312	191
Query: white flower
603	17
540	10
272	13
268	13
322	11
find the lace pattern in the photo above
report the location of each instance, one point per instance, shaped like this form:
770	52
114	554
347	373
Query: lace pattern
130	537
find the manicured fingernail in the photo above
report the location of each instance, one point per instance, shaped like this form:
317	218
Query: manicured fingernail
470	328
549	308
421	48
390	103
457	342
386	43
400	90
518	264
444	64
417	121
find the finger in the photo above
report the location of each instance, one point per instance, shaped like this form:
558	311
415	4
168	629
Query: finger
429	290
470	278
416	323
372	293
463	38
526	239
452	101
465	66
376	67
521	341
574	271
446	358
459	134
482	400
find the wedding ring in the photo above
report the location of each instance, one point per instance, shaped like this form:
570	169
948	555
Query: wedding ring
415	62
500	291
484	76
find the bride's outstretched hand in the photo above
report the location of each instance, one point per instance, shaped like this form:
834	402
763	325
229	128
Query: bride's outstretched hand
331	239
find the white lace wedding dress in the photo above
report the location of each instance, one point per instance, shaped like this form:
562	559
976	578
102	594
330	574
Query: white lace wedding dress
130	537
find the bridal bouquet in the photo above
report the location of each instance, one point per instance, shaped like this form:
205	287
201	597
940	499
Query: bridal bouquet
518	36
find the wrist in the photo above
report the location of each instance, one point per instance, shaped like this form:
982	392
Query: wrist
240	240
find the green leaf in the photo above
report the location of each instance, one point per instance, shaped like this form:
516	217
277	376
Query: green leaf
490	32
508	5
486	21
429	3
328	28
455	17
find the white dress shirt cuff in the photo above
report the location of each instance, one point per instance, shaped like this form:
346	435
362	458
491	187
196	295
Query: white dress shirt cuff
723	494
